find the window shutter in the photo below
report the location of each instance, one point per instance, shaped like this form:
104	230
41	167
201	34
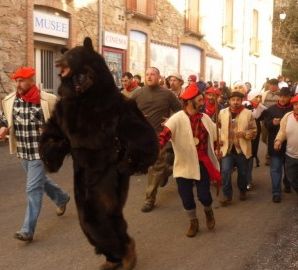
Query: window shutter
131	5
151	8
192	16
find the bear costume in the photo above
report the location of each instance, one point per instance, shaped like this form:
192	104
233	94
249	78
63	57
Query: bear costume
109	139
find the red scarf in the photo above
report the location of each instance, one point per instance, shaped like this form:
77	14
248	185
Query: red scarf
32	95
209	108
132	86
238	110
288	105
254	104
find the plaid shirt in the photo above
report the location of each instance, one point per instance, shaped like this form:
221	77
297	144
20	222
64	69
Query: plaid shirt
28	120
3	121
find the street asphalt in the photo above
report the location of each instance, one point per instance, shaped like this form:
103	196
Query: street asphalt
256	234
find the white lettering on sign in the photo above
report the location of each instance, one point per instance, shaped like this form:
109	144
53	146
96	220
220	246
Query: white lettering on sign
50	25
115	40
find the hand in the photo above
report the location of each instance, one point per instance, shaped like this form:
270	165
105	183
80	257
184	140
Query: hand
3	132
277	145
276	121
240	134
218	154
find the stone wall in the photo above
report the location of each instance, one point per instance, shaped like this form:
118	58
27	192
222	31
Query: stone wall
87	23
13	43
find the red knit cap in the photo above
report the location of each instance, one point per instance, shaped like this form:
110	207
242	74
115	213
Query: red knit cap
193	78
294	99
23	72
213	90
190	92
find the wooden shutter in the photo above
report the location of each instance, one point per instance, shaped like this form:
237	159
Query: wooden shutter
151	8
192	16
131	5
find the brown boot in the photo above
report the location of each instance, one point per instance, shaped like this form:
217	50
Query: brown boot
130	259
210	221
193	228
109	266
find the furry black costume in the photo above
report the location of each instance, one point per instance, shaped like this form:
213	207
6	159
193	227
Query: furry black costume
109	139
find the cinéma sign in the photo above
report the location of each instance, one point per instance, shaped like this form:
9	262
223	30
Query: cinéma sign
51	25
115	40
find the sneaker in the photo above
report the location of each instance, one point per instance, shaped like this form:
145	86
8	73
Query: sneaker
147	207
276	198
23	236
249	187
60	210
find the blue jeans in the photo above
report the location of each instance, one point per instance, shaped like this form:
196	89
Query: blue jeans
37	183
276	171
291	165
249	170
227	164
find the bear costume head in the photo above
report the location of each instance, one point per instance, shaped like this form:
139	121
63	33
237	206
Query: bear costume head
82	68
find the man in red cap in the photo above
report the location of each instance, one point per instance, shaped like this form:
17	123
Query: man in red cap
193	135
288	132
25	112
211	95
192	79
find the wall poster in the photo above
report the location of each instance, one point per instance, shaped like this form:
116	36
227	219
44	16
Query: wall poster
115	60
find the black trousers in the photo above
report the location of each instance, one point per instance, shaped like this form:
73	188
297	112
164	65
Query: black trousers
185	190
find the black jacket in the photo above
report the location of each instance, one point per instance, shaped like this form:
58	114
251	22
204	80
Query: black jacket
274	111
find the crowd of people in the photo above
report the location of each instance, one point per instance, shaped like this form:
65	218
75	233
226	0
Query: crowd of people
208	130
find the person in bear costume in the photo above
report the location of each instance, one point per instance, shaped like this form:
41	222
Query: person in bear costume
109	139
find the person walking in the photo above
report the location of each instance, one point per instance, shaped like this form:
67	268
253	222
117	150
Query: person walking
238	129
288	132
193	136
157	104
128	84
272	118
24	113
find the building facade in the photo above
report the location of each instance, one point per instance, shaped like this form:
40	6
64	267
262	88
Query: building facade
214	39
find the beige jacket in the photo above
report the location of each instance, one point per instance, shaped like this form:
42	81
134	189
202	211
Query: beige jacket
186	162
282	135
47	103
246	123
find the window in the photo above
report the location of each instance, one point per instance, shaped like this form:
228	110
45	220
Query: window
46	72
187	67
228	29
192	19
254	40
143	8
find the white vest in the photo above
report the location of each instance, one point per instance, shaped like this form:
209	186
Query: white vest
186	162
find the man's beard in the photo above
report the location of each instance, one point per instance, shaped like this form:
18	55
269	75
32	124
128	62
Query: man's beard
197	107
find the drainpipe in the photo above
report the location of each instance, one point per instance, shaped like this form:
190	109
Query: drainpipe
100	26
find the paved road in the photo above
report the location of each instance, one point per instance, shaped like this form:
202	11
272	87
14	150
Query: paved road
251	235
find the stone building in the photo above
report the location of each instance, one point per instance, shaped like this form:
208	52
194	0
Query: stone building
201	37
